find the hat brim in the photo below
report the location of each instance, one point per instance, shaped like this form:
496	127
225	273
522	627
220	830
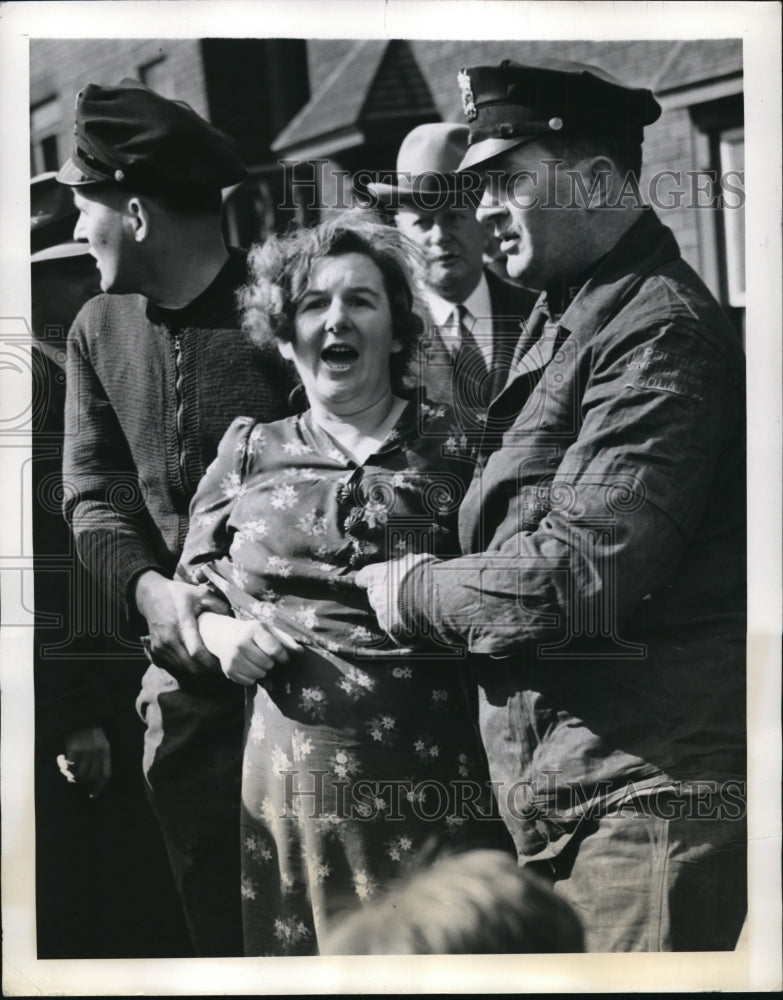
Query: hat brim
488	149
422	199
75	176
60	251
388	192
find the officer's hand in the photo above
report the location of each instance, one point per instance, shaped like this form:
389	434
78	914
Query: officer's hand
88	759
382	581
247	651
171	609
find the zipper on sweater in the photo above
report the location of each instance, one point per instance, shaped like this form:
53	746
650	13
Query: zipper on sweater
180	417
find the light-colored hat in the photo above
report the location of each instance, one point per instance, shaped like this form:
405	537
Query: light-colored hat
52	220
426	167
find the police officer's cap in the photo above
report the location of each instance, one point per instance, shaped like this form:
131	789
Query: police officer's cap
131	136
512	103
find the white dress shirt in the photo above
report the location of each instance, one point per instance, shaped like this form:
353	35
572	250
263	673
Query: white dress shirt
478	319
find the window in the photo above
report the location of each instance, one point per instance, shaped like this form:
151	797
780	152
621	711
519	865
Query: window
45	121
255	209
719	135
249	213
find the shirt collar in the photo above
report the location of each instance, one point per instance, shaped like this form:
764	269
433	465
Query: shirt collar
478	303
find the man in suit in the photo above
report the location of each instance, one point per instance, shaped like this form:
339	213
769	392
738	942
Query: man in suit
464	358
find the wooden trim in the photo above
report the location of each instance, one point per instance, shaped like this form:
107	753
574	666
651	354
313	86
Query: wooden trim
701	93
707	221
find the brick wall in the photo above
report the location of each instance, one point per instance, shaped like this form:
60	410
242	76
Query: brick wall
61	68
669	146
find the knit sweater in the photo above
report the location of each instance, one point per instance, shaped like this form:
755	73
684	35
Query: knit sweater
150	392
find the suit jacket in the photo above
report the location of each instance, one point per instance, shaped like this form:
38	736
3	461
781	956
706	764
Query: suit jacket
434	364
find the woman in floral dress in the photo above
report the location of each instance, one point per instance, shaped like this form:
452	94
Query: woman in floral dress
358	752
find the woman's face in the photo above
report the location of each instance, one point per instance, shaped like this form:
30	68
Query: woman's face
343	335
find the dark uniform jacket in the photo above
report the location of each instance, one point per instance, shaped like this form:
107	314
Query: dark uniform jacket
608	588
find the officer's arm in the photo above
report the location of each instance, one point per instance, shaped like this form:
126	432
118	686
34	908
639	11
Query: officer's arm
626	498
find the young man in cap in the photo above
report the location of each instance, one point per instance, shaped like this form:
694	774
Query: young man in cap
465	355
157	369
93	826
604	566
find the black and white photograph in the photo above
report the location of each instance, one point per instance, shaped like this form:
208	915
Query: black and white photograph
390	435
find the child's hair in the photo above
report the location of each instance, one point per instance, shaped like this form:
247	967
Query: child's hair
479	902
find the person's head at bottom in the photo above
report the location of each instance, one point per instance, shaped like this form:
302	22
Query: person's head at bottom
337	301
479	902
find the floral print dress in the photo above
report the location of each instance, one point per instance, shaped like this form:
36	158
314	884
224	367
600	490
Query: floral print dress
358	754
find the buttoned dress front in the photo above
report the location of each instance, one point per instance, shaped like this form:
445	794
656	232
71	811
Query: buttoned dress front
357	755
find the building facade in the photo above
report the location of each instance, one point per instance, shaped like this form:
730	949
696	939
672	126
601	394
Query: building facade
312	116
693	155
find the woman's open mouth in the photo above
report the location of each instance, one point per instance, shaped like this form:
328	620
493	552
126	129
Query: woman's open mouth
339	357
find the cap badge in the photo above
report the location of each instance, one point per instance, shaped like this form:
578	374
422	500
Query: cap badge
119	176
466	90
555	124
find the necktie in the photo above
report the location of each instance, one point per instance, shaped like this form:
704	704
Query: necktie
472	384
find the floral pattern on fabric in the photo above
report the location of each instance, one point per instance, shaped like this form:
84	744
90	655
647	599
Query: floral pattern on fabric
355	750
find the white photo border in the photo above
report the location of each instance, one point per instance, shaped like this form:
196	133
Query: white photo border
758	967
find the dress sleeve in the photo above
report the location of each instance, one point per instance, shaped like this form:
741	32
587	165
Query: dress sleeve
627	497
209	533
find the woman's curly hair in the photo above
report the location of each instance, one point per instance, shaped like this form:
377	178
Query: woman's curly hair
280	270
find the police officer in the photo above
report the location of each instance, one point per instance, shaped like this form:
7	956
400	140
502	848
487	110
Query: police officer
157	370
604	553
